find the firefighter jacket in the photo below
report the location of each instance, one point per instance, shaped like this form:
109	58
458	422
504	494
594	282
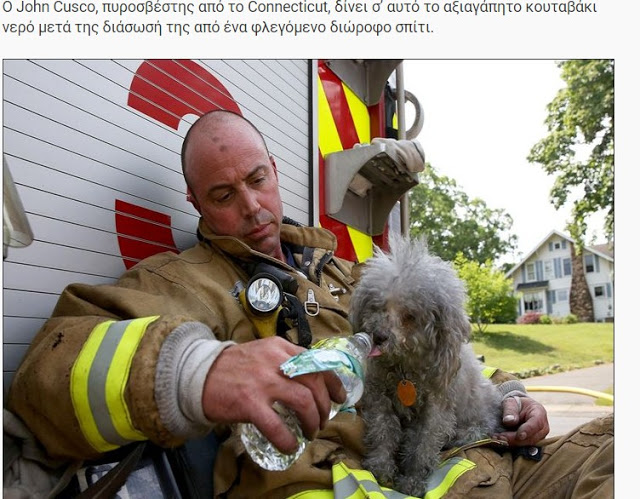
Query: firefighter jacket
100	373
110	336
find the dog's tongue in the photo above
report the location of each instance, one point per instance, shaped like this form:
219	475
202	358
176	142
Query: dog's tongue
375	351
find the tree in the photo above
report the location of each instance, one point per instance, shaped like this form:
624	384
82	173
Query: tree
490	294
579	147
452	223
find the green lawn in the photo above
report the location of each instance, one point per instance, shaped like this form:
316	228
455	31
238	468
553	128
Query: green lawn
528	349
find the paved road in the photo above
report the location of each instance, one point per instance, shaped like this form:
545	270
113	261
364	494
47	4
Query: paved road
568	410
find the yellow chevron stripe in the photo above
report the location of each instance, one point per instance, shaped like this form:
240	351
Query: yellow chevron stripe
79	388
360	115
118	376
362	243
328	139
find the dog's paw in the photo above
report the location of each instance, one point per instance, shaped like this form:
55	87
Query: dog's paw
382	471
411	485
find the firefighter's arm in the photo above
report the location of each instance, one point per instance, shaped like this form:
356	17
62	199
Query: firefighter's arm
525	420
245	381
88	383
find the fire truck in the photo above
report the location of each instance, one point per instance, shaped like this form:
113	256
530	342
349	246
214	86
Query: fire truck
91	153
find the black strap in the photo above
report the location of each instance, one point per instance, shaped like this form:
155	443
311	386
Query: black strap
295	311
109	484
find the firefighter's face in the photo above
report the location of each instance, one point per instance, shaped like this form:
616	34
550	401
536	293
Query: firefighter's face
234	185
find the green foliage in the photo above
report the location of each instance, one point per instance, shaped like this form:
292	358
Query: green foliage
579	147
545	319
570	319
452	223
490	297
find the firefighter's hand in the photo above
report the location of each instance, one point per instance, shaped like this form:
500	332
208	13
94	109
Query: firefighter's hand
525	421
245	381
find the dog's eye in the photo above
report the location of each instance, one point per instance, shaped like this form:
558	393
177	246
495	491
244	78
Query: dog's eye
408	320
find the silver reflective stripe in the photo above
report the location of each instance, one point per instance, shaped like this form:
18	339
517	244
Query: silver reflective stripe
345	487
349	486
439	475
392	494
98	382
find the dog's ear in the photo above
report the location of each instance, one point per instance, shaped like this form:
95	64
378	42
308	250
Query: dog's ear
452	330
356	307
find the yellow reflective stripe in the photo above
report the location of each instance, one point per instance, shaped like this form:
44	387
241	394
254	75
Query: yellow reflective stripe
362	243
313	494
360	484
328	138
118	376
359	114
446	475
487	371
79	388
98	383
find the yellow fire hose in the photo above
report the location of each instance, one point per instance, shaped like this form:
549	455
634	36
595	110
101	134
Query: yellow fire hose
571	389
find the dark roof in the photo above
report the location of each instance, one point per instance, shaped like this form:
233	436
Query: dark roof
530	285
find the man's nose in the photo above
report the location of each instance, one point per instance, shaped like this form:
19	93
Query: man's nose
250	204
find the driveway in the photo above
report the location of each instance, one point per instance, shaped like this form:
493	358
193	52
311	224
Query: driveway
568	410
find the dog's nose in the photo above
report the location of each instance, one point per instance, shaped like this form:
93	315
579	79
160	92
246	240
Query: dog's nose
379	337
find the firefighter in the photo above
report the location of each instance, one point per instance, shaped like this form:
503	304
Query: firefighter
171	352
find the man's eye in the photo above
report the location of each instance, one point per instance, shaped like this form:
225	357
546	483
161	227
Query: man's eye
224	198
259	180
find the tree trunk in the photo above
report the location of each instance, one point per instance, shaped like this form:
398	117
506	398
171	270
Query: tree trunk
580	301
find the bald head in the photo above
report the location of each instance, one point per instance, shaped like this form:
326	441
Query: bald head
210	125
232	180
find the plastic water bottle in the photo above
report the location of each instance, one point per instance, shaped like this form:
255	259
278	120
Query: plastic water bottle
343	355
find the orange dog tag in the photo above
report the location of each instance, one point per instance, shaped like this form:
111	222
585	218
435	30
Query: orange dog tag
406	392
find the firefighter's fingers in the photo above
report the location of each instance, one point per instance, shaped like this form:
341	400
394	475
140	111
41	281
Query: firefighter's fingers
533	423
324	387
271	424
335	387
309	399
511	407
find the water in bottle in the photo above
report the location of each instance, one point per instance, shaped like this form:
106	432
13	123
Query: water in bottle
343	355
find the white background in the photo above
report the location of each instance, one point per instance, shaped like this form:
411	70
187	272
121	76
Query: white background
611	33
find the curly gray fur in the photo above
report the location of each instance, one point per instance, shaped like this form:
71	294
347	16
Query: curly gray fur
412	304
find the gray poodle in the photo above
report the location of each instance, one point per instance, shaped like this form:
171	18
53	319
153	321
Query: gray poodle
425	390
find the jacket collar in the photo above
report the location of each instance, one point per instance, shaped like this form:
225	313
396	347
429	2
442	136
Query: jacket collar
313	237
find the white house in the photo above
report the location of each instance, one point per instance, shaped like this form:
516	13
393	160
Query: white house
543	278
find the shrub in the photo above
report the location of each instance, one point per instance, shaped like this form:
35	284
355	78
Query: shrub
489	293
546	319
530	318
570	319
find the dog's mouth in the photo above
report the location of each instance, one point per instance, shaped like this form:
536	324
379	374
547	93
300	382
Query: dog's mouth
375	351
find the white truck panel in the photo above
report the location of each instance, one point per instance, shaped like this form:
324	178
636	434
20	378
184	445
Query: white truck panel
100	178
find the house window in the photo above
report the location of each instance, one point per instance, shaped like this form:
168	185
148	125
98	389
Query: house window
531	272
548	269
598	291
566	264
589	265
562	295
533	302
556	245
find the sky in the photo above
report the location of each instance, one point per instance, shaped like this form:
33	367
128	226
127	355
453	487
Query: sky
481	119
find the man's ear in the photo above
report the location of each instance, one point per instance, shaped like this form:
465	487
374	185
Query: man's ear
273	165
191	198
